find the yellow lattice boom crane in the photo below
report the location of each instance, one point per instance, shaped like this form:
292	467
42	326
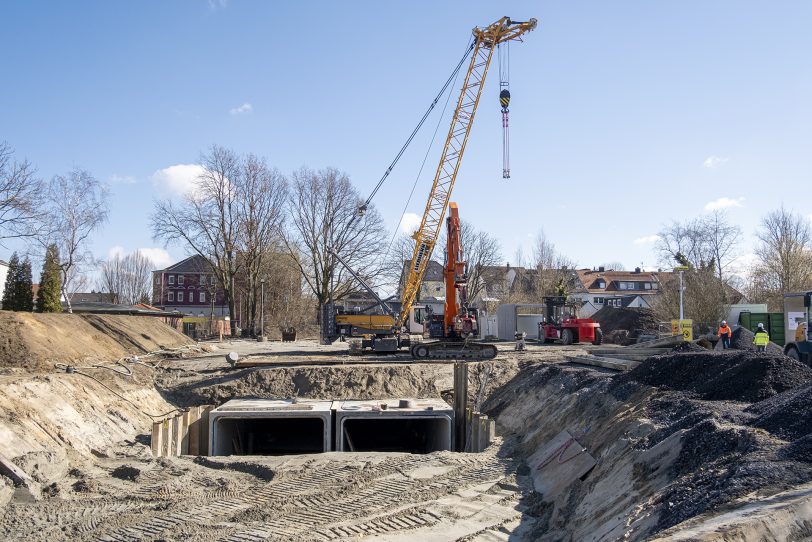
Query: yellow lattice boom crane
484	45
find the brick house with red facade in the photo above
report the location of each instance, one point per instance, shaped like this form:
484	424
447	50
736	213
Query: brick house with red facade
190	287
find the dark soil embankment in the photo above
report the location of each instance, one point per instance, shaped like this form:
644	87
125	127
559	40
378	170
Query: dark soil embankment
684	434
734	375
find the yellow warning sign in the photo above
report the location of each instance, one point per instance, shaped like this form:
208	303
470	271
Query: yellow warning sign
684	328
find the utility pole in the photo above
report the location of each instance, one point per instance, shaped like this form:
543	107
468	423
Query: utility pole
681	269
262	310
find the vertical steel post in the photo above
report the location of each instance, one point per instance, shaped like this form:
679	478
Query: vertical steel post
460	403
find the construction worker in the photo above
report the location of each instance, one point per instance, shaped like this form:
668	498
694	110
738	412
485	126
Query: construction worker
761	338
725	333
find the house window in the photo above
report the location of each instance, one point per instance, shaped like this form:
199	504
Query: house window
191	297
626	285
202	297
647	285
180	296
601	284
655	286
598	300
180	280
171	296
171	279
211	281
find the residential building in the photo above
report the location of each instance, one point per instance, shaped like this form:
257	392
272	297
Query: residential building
609	288
433	285
92	297
190	287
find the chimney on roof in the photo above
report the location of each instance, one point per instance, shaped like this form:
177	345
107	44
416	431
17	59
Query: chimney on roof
507	265
601	269
636	269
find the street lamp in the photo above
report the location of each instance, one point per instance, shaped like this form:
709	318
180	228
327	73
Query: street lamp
262	308
681	269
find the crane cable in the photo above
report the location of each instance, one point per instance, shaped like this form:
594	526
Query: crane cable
420	171
448	82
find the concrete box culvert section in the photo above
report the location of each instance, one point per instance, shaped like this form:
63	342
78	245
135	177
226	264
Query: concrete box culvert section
393	425
270	427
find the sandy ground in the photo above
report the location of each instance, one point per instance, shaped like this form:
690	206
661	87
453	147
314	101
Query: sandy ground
85	444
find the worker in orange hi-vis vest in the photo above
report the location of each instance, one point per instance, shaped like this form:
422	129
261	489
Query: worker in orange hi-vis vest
725	334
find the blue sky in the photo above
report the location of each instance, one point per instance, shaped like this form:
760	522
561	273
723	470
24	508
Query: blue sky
625	115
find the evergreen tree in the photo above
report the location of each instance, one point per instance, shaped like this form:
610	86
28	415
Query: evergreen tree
23	296
50	283
8	289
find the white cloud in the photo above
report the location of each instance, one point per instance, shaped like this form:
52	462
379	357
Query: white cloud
122	179
179	179
242	110
646	240
809	216
712	161
115	251
723	203
159	257
409	223
218	4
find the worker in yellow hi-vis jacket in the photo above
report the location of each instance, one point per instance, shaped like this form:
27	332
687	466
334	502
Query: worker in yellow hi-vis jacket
761	338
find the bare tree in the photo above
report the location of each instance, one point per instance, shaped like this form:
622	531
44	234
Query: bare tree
208	220
480	251
710	238
706	297
784	253
19	189
261	203
553	270
74	206
613	265
323	211
128	279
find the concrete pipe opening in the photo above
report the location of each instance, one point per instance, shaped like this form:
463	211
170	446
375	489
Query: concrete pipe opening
270	427
411	435
412	426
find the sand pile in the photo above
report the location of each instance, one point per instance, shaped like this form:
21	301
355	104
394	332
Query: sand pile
732	375
35	341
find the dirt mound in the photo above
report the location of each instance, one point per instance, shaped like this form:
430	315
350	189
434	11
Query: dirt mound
631	320
786	415
663	456
731	375
37	341
743	340
350	382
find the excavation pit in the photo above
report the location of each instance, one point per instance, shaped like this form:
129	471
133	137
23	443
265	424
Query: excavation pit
270	427
393	425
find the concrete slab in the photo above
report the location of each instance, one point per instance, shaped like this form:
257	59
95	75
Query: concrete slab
402	425
270	427
558	464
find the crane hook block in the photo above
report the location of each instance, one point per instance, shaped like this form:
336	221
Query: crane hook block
504	98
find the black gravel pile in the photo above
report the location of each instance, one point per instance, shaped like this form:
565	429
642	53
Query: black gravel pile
628	319
742	339
731	375
688	347
787	415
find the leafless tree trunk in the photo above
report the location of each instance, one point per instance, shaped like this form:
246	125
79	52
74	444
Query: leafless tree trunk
19	190
128	279
208	221
74	206
261	205
784	253
323	211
